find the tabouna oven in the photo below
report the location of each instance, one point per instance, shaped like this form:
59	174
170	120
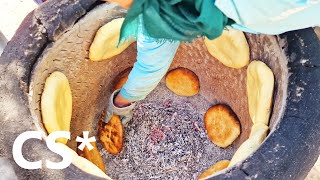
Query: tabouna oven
57	36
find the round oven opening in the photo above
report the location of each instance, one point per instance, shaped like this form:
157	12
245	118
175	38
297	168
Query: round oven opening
162	114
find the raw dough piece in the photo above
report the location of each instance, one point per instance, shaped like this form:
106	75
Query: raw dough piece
214	168
231	48
259	127
222	125
105	43
56	104
260	84
183	82
249	146
111	136
83	163
93	156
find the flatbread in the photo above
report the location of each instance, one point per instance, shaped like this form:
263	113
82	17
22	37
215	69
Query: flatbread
82	163
111	136
121	79
249	146
183	82
56	104
260	85
93	156
104	45
222	125
214	168
231	48
259	127
120	83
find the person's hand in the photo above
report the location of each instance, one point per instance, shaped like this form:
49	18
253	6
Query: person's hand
124	3
124	110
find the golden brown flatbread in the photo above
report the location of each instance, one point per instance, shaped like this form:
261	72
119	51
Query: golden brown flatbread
214	168
104	45
83	163
222	125
260	85
183	82
111	136
93	156
56	104
121	79
120	83
231	48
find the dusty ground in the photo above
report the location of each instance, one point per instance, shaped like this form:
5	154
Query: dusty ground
12	13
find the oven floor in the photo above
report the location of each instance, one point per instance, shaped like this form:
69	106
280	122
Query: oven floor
166	139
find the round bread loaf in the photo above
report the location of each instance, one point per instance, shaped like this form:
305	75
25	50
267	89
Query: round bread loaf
111	135
222	125
183	82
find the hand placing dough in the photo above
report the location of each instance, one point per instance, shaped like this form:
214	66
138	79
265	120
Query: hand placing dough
56	104
231	48
105	43
214	168
260	84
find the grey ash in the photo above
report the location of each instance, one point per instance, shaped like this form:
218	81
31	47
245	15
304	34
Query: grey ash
166	140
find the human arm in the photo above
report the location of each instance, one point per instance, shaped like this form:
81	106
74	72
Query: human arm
271	17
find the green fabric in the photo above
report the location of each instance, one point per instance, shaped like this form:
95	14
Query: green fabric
175	20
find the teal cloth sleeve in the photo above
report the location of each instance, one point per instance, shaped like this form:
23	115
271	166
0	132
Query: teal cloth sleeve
271	16
259	16
153	61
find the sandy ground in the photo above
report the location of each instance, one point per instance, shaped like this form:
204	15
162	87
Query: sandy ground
12	12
